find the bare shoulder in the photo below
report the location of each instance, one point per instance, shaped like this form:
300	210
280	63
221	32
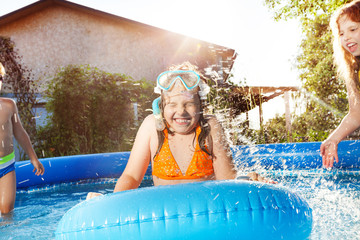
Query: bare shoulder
149	121
216	130
148	125
9	103
146	135
213	121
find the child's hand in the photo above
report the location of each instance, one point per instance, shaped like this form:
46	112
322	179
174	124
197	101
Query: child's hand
91	195
257	177
38	167
328	151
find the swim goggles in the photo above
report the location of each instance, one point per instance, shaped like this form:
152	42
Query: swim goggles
166	80
189	79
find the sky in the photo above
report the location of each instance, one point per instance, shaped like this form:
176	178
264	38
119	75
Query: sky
266	49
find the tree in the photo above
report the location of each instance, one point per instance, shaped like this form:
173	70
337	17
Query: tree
90	111
326	93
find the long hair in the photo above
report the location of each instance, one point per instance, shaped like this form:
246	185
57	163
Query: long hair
347	65
203	122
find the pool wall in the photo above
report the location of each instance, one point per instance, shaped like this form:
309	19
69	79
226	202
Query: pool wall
72	168
295	155
111	165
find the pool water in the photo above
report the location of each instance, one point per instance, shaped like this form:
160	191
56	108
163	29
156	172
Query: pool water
334	197
38	211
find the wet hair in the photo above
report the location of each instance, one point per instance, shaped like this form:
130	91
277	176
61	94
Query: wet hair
347	64
203	122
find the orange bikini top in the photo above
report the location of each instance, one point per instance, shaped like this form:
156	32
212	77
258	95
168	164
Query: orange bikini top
166	167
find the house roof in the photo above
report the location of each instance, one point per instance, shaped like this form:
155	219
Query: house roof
228	53
42	4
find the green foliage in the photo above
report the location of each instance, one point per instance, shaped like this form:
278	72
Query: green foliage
91	111
325	92
275	130
302	9
19	81
307	127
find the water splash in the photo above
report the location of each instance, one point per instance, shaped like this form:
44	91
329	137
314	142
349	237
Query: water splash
333	197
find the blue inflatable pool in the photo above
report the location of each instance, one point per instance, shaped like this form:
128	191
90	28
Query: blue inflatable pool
213	209
280	156
295	155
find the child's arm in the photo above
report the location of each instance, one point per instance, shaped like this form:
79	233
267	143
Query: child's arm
138	161
223	163
350	123
139	158
23	139
222	160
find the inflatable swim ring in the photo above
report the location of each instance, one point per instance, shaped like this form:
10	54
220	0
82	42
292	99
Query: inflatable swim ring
206	210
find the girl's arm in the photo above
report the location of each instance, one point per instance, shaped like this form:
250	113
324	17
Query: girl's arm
23	139
222	159
223	163
139	158
348	125
138	161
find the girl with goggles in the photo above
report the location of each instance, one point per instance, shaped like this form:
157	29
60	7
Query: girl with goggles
190	146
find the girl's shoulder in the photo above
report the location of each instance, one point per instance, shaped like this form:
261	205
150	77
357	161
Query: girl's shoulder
212	120
148	124
8	102
149	118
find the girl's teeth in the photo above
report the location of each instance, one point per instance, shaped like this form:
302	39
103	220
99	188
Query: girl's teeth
182	120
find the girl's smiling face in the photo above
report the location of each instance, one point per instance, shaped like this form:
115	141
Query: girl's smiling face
182	109
349	32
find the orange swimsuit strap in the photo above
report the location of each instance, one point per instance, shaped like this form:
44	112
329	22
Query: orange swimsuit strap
166	167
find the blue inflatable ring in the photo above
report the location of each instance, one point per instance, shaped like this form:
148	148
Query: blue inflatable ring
206	210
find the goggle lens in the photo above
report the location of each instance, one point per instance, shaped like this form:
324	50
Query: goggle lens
190	79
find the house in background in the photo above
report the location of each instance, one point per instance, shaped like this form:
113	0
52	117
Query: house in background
55	33
50	34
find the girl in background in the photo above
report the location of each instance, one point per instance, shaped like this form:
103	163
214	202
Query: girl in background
345	25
